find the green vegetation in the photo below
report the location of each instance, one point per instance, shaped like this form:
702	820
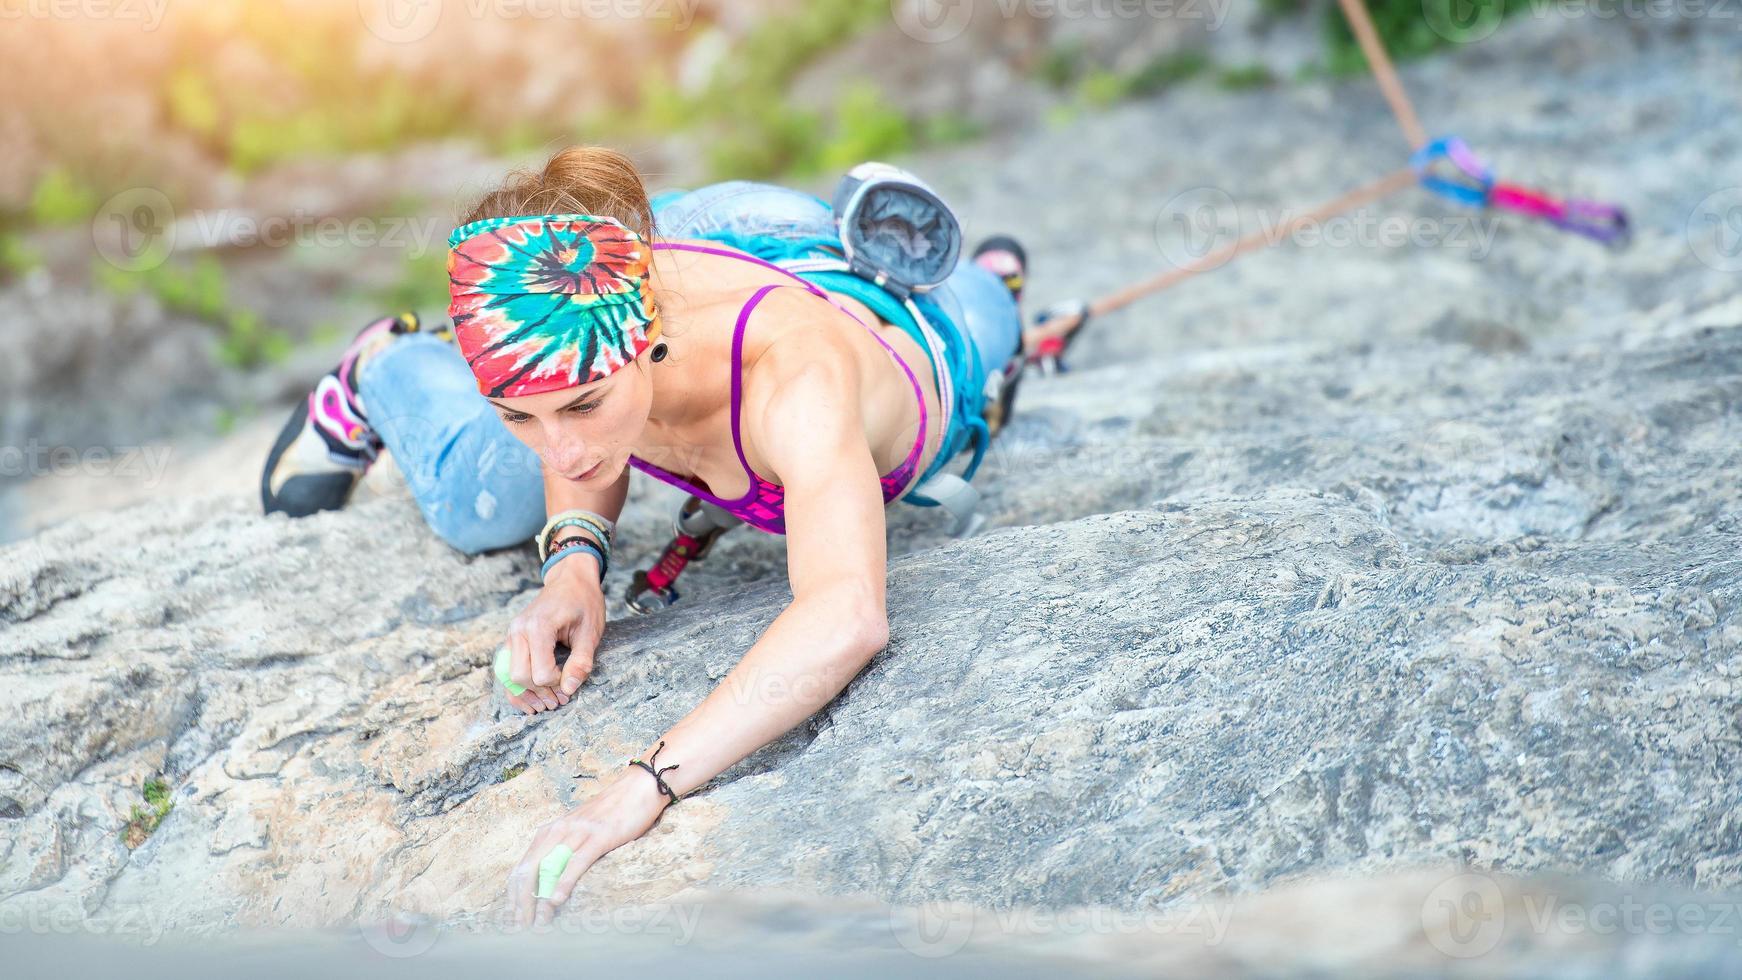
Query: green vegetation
1409	29
1100	87
752	130
1245	77
511	772
1062	64
865	128
199	290
16	258
141	823
422	286
60	199
313	103
1167	70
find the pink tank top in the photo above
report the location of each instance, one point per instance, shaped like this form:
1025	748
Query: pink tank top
764	504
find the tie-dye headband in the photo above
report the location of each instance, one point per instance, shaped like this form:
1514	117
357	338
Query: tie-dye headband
545	302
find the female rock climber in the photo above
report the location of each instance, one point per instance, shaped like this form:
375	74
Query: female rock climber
592	333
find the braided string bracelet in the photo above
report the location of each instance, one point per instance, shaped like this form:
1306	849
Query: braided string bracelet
578	523
663	788
570	546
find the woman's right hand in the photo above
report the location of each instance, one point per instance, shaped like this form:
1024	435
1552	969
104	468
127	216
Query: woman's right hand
570	609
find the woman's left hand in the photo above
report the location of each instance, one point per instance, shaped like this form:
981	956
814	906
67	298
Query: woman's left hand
620	812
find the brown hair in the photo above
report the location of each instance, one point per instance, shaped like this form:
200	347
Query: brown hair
592	180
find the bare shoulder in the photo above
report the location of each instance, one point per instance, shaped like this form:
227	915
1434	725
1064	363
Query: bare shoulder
799	373
793	332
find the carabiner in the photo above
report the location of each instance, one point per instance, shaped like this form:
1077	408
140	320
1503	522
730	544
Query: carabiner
1469	185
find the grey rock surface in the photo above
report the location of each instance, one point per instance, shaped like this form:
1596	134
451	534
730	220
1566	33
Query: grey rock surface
1338	561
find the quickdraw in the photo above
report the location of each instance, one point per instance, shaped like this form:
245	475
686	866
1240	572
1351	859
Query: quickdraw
698	526
1471	182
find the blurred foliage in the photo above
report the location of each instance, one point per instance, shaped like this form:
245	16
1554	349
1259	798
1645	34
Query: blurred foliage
1102	88
865	128
307	98
1165	70
16	257
422	286
1062	64
199	290
60	199
950	127
751	129
1245	77
1408	28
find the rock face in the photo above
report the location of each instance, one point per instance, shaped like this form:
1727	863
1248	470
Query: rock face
1337	561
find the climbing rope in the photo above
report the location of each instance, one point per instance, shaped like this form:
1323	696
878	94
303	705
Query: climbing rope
1473	184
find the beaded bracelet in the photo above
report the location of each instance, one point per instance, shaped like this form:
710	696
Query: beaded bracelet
593	530
597	522
575	518
568	547
598	534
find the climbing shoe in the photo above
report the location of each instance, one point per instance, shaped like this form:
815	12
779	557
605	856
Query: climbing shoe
896	231
1004	257
327	445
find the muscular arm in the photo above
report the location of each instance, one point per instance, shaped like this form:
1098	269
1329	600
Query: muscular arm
809	429
569	609
801	413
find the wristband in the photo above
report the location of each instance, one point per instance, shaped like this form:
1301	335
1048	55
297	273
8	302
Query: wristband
597	522
582	523
578	544
658	774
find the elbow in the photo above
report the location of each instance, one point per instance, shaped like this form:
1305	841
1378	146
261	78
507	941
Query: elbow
872	631
864	631
850	626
